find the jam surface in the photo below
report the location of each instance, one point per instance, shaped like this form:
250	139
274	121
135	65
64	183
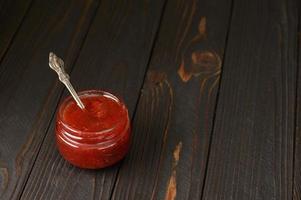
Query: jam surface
100	113
97	136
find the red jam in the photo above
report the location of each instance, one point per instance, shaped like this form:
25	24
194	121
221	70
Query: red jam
97	136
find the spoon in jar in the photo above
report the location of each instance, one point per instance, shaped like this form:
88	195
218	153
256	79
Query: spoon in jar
57	64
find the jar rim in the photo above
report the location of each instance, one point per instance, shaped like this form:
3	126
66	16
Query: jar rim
90	134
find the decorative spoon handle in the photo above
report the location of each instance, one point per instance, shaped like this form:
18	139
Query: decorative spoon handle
57	64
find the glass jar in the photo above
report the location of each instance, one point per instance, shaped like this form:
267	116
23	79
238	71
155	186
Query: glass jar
96	137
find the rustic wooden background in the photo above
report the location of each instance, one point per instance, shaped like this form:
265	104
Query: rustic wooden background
213	88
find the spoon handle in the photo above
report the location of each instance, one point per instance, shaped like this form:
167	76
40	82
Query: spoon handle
57	64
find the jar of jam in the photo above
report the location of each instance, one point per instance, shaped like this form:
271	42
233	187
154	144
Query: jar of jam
97	136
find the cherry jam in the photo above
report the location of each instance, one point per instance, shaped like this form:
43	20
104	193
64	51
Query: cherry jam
97	136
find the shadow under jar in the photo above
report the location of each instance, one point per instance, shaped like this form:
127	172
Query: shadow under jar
96	137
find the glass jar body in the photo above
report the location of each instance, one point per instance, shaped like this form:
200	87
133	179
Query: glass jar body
93	149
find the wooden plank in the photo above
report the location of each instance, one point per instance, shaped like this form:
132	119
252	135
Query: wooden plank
251	154
297	158
173	122
114	57
12	12
29	89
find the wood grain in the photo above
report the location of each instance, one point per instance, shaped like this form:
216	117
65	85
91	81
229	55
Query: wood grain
297	144
29	89
12	13
172	124
114	58
251	155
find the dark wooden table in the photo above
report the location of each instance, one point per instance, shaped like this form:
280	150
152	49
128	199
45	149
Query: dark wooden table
213	89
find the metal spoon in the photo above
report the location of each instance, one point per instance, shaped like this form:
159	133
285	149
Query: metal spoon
57	64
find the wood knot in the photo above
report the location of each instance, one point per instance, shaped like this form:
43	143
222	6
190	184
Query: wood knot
204	61
201	63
